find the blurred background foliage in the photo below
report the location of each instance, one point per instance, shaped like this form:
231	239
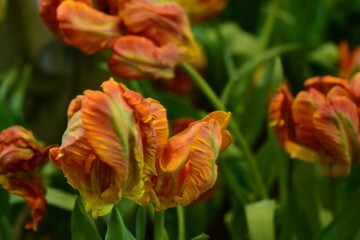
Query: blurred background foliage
251	48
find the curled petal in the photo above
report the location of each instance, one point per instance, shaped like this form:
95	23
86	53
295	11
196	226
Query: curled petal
280	115
337	91
19	150
324	84
223	119
86	28
75	106
180	124
188	166
47	10
355	86
117	142
162	23
303	109
337	125
83	170
137	57
302	152
28	185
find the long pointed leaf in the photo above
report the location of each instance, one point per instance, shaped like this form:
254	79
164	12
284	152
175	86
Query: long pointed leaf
117	229
82	225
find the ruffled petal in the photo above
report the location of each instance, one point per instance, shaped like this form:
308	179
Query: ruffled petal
355	87
47	10
303	109
280	115
188	165
28	185
115	137
137	57
337	125
223	119
324	84
87	28
162	23
20	151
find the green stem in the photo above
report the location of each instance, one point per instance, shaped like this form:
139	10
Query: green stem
181	222
268	26
159	225
238	136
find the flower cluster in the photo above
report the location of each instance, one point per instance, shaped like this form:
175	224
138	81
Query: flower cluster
116	145
20	154
321	124
148	39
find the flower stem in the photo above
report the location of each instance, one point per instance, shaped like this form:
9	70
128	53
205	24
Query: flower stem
238	136
268	26
159	225
181	222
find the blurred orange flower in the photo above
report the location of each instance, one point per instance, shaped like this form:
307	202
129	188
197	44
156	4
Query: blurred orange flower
321	124
349	60
20	154
116	145
148	39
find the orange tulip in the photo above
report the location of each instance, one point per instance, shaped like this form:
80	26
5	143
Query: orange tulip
187	168
349	60
148	39
116	145
108	149
20	154
320	125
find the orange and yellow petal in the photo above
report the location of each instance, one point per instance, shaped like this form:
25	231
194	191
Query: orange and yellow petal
303	109
325	83
280	115
337	125
138	57
162	23
86	28
28	185
189	165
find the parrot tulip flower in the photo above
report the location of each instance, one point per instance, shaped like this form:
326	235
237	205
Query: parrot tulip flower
20	154
116	145
321	124
148	39
188	167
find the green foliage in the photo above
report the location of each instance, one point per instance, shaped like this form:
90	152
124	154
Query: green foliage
82	225
117	229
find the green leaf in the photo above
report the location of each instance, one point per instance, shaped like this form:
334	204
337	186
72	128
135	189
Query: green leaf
82	225
346	226
5	228
141	223
18	94
117	229
254	114
60	199
202	236
326	55
250	66
260	219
